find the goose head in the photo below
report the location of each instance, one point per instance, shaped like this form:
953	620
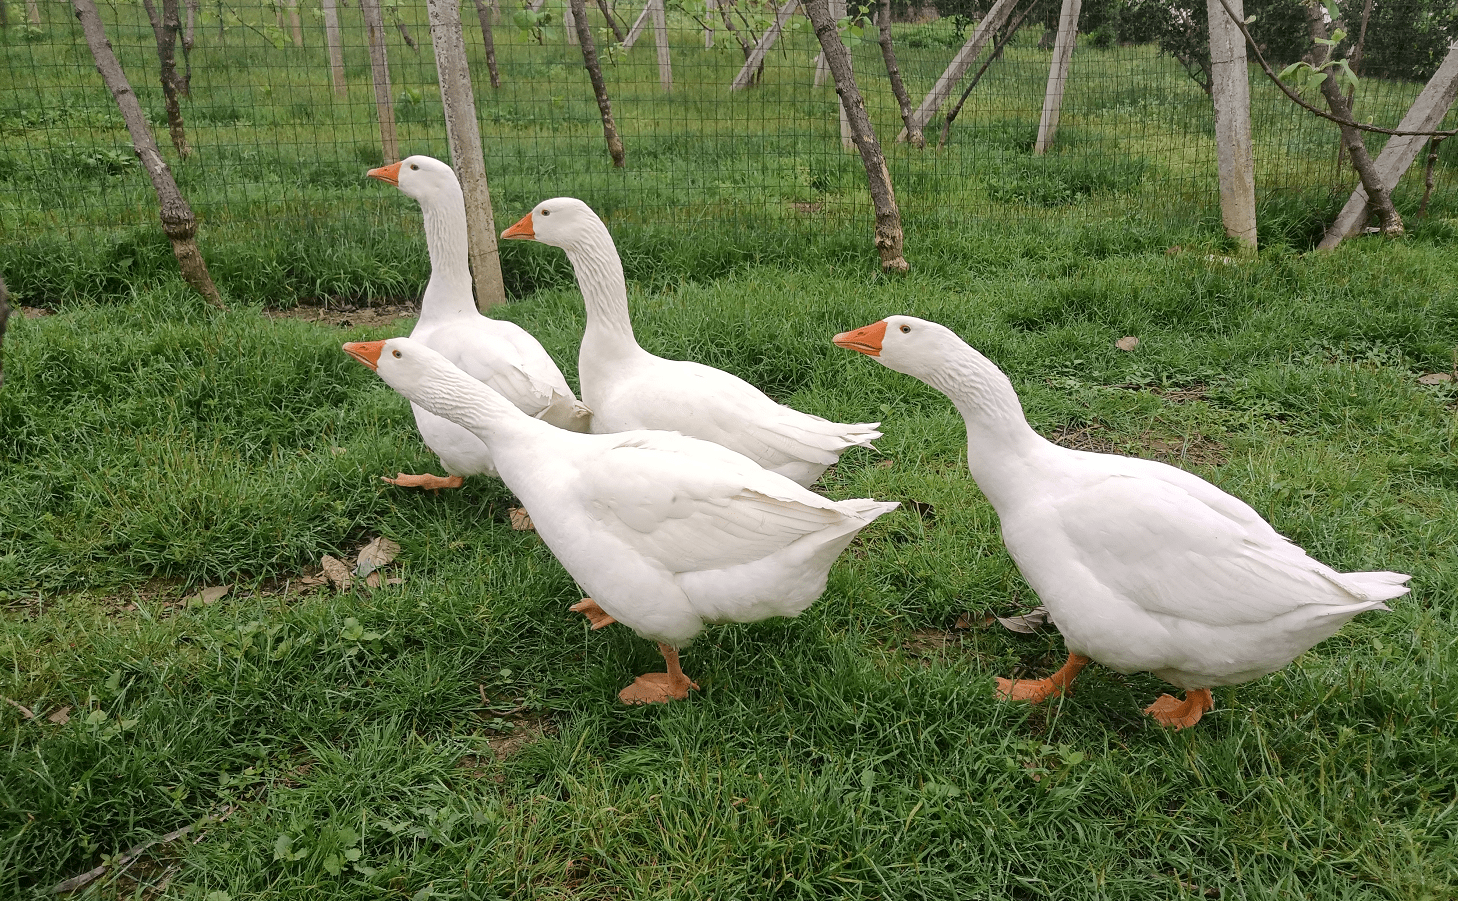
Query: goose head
421	177
564	222
904	343
408	366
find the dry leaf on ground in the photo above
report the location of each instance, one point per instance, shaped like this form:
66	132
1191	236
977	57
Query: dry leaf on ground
24	710
1032	621
1128	342
206	596
374	555
965	622
885	464
373	580
520	519
336	571
60	717
1435	378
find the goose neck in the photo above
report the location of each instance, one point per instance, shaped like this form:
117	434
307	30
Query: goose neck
448	294
480	410
604	291
1002	449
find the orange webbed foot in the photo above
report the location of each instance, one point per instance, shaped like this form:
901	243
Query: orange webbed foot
595	614
1038	690
657	688
434	483
1173	713
1034	691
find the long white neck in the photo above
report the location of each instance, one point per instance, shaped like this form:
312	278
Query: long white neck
507	431
448	294
594	259
1001	447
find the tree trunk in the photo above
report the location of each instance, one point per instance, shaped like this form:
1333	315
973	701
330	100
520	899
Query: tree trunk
1425	114
1058	75
4	315
1379	195
336	48
178	222
464	135
380	73
404	31
888	53
32	11
959	65
612	21
165	28
599	87
998	44
888	218
484	13
754	63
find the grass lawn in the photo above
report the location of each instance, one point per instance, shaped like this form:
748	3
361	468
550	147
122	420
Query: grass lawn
457	735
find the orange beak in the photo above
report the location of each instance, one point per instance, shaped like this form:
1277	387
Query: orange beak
390	174
867	340
367	352
522	230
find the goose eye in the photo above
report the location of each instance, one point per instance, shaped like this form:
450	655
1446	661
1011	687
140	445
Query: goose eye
396	353
414	166
904	330
546	212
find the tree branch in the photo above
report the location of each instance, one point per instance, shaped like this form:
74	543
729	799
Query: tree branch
1296	98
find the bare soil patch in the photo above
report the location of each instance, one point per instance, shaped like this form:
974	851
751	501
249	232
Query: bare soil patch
349	315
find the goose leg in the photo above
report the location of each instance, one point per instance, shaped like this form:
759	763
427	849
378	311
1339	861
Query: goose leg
659	688
1173	713
1039	690
597	616
434	483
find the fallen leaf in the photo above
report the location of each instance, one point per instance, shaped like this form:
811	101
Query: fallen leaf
319	579
206	596
520	519
24	710
1032	621
1128	342
1435	378
965	621
336	572
885	464
60	717
373	580
376	554
394	580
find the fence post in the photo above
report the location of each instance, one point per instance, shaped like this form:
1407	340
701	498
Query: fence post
1058	75
957	68
336	47
1425	114
766	40
660	41
380	70
464	135
1230	92
569	25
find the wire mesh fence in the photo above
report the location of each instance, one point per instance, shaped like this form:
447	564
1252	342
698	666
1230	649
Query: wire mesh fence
277	148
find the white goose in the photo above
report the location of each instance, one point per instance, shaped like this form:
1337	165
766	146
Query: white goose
1144	567
499	353
667	533
629	388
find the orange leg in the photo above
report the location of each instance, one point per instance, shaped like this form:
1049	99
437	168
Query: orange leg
595	614
659	688
434	483
1039	690
1173	713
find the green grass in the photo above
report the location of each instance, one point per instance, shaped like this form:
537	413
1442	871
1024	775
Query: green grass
150	445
